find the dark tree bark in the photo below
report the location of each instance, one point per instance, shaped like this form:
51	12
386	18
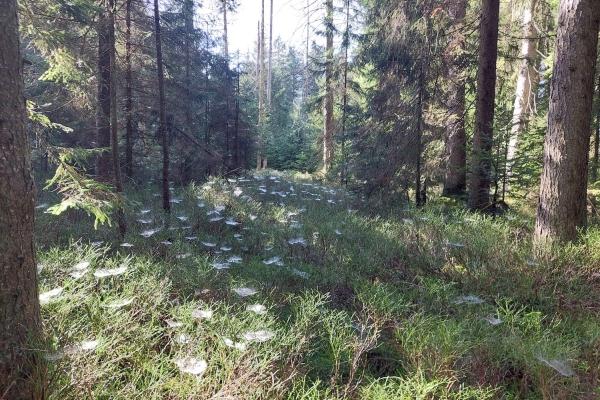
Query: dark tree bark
563	189
128	95
162	112
455	182
22	375
114	138
103	165
328	106
479	189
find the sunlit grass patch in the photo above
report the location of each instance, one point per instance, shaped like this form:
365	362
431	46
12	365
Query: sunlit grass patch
418	386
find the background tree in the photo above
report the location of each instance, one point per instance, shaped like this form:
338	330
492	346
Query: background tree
103	164
114	136
224	7
328	126
527	79
162	111
285	148
397	70
270	62
517	162
260	161
128	92
483	134
455	180
343	136
21	371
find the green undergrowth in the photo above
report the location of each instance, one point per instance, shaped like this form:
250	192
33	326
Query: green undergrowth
299	291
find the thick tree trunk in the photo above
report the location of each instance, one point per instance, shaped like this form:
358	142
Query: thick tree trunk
22	375
455	182
479	189
162	112
128	95
526	81
562	203
328	109
103	165
114	138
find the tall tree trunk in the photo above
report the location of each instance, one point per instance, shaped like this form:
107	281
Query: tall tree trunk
346	45
257	49
225	39
22	375
190	45
270	56
114	138
455	182
103	164
328	106
188	17
526	81
563	189
420	195
227	84
128	94
207	88
306	73
162	112
479	190
236	138
227	108
261	72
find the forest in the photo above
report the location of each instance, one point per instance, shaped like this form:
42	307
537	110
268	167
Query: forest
403	204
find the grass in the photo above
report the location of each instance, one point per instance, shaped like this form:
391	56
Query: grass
431	303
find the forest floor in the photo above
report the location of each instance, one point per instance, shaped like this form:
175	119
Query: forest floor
273	286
